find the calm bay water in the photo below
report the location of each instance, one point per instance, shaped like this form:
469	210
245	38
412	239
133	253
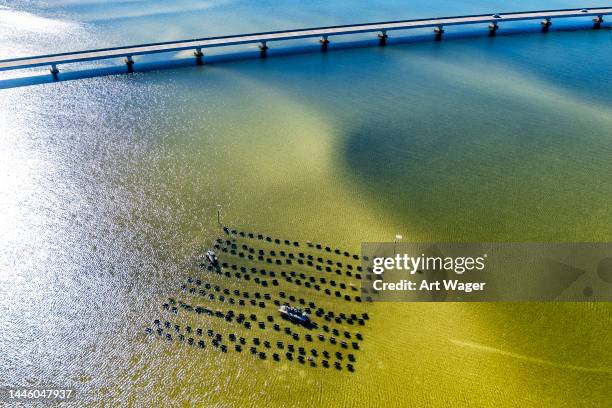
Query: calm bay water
110	184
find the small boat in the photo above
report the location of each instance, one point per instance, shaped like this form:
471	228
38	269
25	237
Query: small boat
212	258
295	314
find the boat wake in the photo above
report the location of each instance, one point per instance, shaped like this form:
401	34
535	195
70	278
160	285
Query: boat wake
536	360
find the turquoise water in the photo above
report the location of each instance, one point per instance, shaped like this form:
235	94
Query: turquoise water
110	186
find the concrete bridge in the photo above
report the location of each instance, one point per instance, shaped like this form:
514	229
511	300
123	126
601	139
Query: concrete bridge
492	21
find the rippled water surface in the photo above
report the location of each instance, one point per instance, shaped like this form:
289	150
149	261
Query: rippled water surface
109	187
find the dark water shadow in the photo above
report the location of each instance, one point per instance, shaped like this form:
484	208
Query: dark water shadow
395	38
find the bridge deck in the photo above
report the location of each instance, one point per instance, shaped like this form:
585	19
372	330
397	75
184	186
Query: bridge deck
173	46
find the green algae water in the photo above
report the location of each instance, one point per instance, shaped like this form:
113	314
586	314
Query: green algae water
110	187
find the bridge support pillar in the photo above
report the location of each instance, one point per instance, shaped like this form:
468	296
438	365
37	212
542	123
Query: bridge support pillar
546	25
324	43
439	30
54	71
263	49
493	27
130	63
199	56
597	22
382	38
